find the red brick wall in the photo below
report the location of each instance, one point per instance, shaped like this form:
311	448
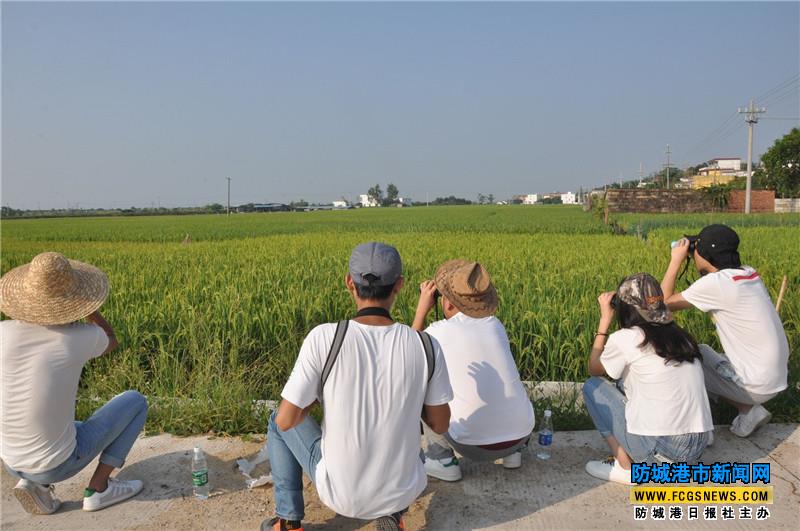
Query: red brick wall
654	200
760	201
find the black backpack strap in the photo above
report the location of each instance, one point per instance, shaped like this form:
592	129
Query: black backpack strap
427	344
333	353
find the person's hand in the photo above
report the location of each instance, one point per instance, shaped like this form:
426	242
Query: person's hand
606	310
427	296
680	251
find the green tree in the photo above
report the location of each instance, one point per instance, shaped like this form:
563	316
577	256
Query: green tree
376	194
490	199
392	193
780	166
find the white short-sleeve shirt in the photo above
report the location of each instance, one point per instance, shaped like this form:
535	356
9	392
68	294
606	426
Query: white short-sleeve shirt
663	399
749	328
490	404
41	367
373	398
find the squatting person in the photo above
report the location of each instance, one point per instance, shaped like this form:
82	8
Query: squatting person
491	414
43	351
753	366
662	413
373	378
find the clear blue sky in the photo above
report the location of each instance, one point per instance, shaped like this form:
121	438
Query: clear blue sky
154	103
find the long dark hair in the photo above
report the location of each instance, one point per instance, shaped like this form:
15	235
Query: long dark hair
669	341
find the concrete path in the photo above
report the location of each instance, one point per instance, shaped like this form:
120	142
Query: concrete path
556	494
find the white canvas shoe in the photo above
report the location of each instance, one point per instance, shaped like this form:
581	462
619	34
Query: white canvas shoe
513	461
35	498
118	490
609	470
446	469
744	425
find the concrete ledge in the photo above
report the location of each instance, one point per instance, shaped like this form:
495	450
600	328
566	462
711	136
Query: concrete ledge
556	494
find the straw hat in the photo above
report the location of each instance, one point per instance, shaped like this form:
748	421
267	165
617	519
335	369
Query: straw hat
52	290
468	286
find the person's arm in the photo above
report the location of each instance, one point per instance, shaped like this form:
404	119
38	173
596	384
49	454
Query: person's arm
437	417
427	299
675	301
289	415
98	319
606	318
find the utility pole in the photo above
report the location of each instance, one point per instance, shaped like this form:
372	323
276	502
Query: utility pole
228	210
641	173
751	117
668	152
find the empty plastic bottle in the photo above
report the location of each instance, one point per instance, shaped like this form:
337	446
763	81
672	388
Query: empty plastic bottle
199	474
545	436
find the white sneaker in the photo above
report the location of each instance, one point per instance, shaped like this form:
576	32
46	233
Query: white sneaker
609	470
513	461
446	469
35	498
118	490
744	425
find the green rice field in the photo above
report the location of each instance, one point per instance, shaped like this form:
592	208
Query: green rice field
210	325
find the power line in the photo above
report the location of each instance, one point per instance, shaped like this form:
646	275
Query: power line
780	86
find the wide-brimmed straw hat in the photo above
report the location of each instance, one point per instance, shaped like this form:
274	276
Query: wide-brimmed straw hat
52	290
468	286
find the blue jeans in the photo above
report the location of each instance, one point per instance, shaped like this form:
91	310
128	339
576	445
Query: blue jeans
290	453
606	405
110	432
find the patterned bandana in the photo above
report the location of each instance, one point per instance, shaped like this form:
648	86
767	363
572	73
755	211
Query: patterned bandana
643	292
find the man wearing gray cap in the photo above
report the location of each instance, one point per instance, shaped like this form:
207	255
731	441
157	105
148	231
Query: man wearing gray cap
373	377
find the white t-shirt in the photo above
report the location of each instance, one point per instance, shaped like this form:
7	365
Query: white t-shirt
41	367
662	399
373	398
490	404
749	328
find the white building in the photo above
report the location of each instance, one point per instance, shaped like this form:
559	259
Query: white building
367	201
405	201
530	199
340	204
568	199
722	166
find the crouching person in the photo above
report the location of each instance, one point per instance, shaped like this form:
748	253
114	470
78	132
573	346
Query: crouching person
491	414
373	378
753	367
663	413
43	351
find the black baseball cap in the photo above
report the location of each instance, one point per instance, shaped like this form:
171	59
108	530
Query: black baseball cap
719	244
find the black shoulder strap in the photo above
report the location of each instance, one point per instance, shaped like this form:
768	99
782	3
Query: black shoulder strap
333	353
427	344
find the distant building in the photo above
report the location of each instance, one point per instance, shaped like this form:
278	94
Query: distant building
568	199
721	166
530	199
404	201
270	207
718	171
367	201
340	204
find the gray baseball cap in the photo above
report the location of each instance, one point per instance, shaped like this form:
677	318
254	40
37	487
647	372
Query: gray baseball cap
375	264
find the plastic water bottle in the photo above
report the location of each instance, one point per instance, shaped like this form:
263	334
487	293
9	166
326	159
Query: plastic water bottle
545	436
199	474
